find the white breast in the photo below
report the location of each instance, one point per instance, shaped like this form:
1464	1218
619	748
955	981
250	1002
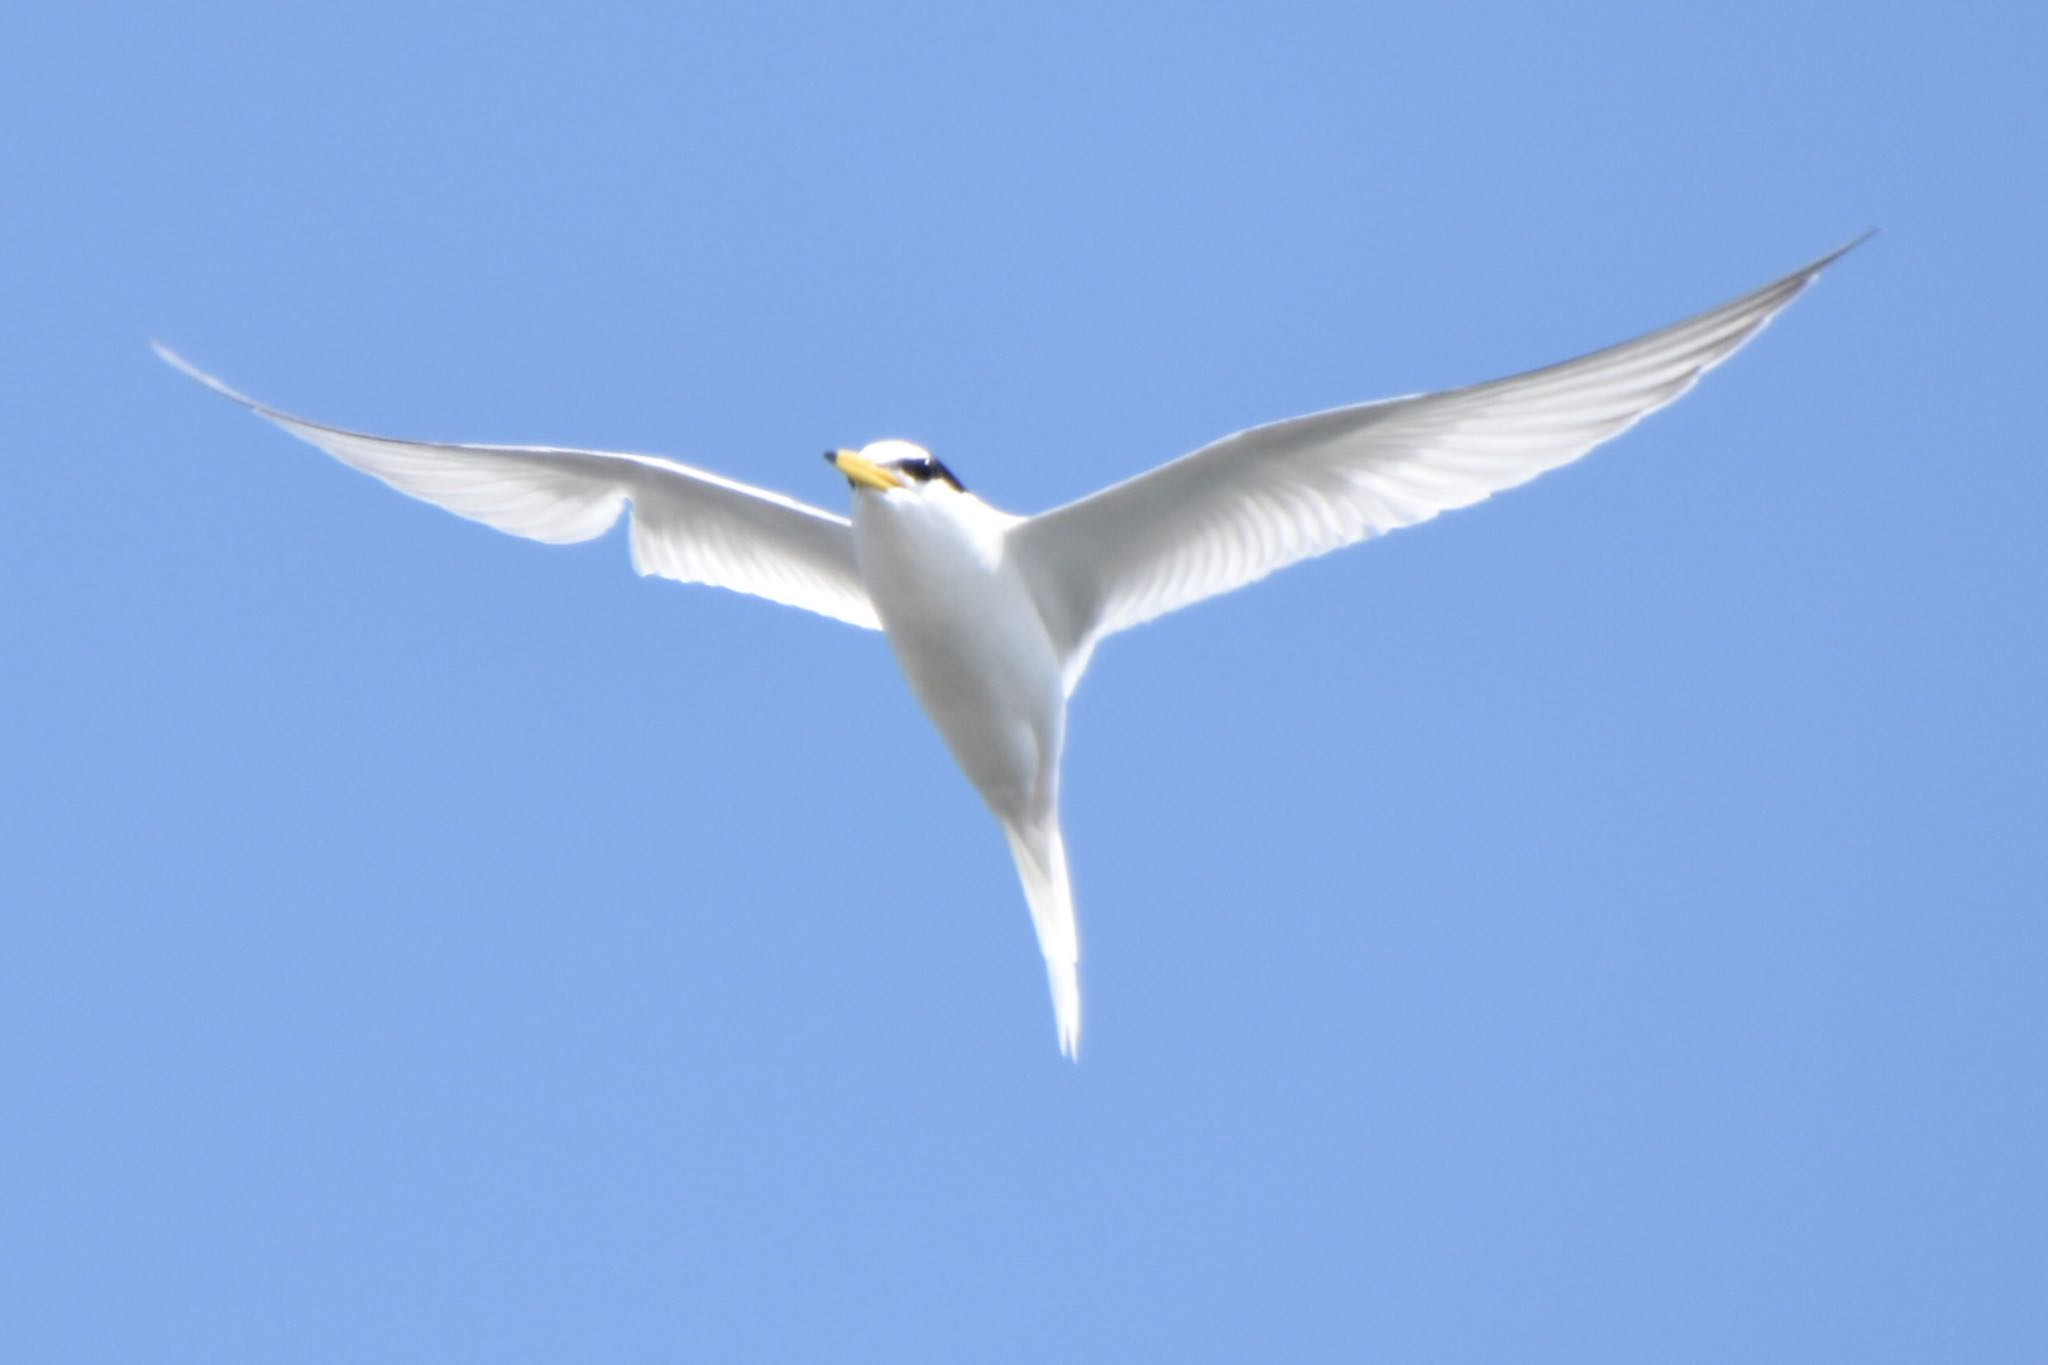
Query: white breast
967	636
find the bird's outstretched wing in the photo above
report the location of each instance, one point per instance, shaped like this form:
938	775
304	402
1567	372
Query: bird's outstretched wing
687	524
1251	503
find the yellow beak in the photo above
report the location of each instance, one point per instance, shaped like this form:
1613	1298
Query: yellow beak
866	473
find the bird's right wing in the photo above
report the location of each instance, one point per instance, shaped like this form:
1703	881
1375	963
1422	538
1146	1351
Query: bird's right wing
1251	503
687	524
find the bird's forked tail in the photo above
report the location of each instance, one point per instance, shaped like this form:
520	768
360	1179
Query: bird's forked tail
1041	856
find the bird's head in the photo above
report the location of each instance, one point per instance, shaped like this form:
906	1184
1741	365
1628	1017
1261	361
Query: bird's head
887	465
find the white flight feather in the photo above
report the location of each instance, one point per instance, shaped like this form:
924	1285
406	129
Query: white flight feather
688	524
1259	500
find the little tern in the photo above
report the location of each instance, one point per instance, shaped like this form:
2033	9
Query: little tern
993	617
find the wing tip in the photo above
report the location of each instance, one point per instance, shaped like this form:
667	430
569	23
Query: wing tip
197	375
180	364
1838	253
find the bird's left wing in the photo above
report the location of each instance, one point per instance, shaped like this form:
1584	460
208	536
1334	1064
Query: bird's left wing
689	525
1235	511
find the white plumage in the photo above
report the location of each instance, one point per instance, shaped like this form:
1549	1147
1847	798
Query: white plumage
994	617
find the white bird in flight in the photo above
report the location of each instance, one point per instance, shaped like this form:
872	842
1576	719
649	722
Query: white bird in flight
993	617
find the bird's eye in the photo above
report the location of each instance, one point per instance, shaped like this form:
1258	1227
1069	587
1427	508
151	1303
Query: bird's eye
923	469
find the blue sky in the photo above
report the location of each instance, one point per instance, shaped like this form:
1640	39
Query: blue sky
1602	925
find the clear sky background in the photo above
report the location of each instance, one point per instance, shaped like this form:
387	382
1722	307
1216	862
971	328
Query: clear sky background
1602	925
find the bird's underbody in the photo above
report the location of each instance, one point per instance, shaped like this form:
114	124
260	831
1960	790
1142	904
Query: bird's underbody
969	636
994	617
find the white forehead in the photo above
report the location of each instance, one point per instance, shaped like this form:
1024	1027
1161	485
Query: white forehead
893	451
